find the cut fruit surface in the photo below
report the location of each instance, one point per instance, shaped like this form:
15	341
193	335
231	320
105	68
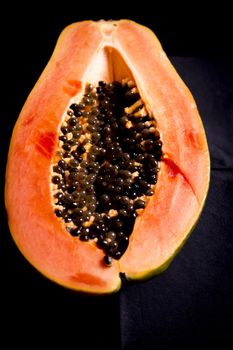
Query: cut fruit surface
44	136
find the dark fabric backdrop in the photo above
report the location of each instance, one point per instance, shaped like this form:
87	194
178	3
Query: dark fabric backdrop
190	304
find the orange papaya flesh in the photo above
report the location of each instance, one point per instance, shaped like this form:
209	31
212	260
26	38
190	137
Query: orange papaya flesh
88	52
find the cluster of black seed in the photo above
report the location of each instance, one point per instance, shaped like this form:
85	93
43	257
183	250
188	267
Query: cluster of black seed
107	166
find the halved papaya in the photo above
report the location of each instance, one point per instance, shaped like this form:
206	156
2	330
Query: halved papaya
108	52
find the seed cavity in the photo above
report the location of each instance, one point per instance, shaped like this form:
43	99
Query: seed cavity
106	165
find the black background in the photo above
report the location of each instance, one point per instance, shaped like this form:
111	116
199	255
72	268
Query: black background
191	303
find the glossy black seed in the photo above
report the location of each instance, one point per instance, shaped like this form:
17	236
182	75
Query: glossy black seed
91	128
76	134
73	171
155	133
91	157
73	187
78	220
73	177
58	195
110	188
87	215
137	148
67	218
58	212
63	138
75	128
82	172
56	180
110	235
92	233
149	192
123	213
128	183
85	230
102	243
77	113
102	83
113	170
120	235
118	189
113	245
149	144
132	194
158	154
72	121
132	167
105	199
125	157
58	170
70	113
78	212
89	88
96	136
74	205
91	206
76	156
146	133
152	179
101	96
95	111
129	142
124	120
73	163
124	173
60	202
107	260
139	138
90	189
139	204
139	158
119	181
124	200
71	142
144	185
107	220
62	187
62	182
132	96
87	100
75	232
101	153
139	127
68	198
108	141
64	130
116	254
93	167
84	237
81	203
95	226
105	104
81	106
158	145
150	159
81	149
74	106
62	164
117	223
129	207
66	147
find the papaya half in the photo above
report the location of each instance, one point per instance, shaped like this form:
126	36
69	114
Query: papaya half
108	167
